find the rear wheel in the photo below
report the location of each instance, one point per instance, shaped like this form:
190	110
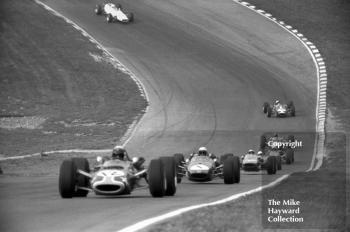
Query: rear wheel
271	165
67	179
265	106
179	160
156	178
131	17
98	9
292	111
170	175
289	156
279	162
263	142
269	112
81	180
109	18
231	170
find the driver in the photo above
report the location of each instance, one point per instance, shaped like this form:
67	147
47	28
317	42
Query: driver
120	153
250	152
277	104
203	151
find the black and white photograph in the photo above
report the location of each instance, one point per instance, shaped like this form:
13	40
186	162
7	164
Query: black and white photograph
174	115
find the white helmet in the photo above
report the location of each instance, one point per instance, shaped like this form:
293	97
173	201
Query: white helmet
260	153
277	101
202	151
251	151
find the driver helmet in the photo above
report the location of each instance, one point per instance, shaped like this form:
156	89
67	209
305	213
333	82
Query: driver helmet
118	152
260	153
277	102
202	151
251	151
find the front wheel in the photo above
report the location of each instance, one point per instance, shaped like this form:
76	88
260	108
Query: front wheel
170	175
67	179
156	178
231	170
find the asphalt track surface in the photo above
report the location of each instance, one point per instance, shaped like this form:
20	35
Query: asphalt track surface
207	67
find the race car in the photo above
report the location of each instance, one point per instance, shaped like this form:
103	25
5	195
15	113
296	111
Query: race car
116	177
114	12
279	110
255	162
207	168
278	146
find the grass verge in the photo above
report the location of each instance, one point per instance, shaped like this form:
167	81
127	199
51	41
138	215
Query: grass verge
57	90
323	194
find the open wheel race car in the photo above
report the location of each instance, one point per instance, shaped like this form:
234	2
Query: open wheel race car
205	168
254	162
279	110
114	12
278	146
116	177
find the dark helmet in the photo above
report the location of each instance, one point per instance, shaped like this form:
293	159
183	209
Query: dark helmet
118	153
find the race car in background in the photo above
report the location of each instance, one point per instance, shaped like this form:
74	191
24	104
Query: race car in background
114	12
278	146
207	168
279	110
116	177
257	162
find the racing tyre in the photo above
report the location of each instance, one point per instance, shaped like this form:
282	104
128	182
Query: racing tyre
269	112
271	165
81	181
179	160
263	142
156	178
67	179
292	111
98	9
224	157
279	162
170	175
231	165
265	107
237	169
109	18
289	156
131	17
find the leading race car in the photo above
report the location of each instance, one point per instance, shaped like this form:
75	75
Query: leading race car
116	177
257	162
204	168
114	12
279	110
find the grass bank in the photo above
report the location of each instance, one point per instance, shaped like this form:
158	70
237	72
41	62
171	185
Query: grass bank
57	90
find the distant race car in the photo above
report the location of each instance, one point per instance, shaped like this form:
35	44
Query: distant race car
114	12
116	177
278	146
254	162
279	110
206	168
